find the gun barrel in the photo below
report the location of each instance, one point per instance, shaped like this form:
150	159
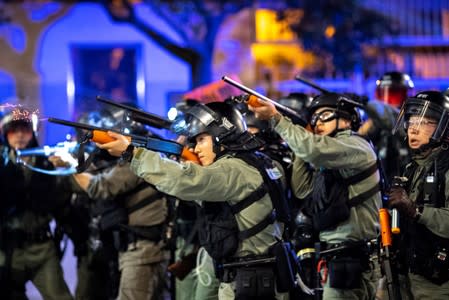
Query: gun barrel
100	135
45	151
248	90
139	115
312	84
75	124
282	108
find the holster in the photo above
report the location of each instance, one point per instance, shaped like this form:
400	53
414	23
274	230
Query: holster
254	283
345	273
111	218
435	268
285	267
346	263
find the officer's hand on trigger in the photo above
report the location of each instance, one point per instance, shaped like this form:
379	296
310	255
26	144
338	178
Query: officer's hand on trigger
399	199
116	147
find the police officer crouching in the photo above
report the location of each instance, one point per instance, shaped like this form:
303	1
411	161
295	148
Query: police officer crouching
238	189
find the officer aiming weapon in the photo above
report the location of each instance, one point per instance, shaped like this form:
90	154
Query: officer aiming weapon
138	115
385	255
100	135
252	97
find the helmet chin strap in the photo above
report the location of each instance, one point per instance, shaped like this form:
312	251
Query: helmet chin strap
336	130
217	149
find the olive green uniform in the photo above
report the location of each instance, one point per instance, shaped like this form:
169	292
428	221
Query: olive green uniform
350	155
227	179
28	252
143	264
434	219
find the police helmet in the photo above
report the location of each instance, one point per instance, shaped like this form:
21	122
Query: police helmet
20	117
296	101
177	114
250	117
393	88
299	103
219	119
101	118
345	108
127	124
432	105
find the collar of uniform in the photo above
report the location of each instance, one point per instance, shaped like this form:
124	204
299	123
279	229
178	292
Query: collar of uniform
423	159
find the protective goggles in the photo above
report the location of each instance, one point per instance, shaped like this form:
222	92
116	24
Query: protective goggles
323	116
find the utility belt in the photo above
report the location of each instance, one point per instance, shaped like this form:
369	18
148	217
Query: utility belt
17	238
132	234
344	263
227	271
255	275
433	267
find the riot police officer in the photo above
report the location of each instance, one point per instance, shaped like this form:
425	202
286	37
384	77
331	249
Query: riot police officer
236	192
127	215
423	201
28	203
392	88
343	190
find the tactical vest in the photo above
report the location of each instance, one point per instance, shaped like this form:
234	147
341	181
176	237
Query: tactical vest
23	189
329	203
113	215
220	235
428	253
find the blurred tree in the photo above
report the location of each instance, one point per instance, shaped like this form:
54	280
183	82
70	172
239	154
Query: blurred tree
22	24
196	22
338	29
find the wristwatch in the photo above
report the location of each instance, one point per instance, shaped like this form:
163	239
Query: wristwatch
127	155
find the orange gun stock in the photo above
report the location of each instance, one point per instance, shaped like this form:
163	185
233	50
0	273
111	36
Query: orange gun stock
102	137
252	100
384	220
189	155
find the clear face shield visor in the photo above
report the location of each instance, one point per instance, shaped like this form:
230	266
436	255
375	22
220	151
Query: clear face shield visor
193	122
425	116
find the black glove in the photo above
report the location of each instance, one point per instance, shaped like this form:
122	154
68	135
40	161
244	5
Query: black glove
399	199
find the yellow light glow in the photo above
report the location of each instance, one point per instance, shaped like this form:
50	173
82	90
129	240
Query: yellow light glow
269	29
272	54
330	31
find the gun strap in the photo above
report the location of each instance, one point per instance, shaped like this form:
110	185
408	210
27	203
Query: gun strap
83	164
